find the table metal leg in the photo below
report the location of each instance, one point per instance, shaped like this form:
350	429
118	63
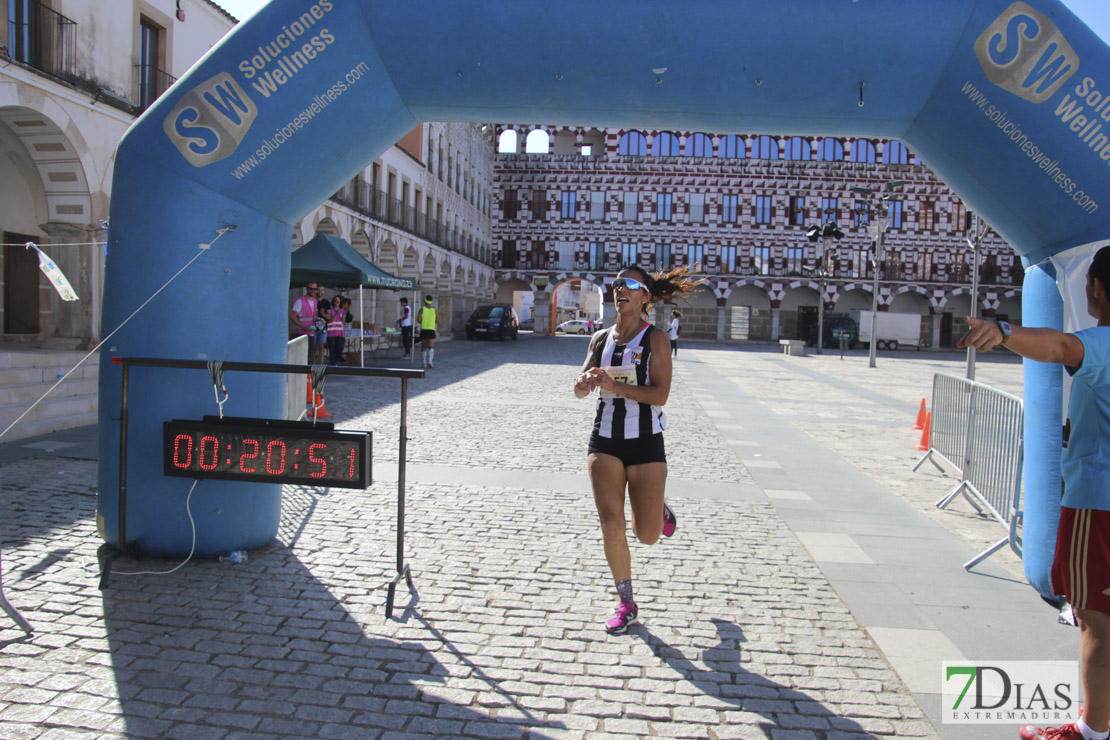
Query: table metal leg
402	568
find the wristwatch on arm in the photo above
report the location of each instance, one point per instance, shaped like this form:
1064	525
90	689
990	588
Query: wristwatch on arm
1006	329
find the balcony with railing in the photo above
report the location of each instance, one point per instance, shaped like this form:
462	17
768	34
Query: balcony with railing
360	196
43	39
152	83
838	267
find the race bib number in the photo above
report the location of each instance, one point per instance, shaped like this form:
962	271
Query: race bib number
621	375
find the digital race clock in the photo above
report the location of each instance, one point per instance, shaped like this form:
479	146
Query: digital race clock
267	450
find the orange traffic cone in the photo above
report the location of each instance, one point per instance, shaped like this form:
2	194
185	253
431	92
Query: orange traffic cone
924	443
920	423
320	409
308	390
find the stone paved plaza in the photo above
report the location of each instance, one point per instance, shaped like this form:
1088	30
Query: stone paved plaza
742	635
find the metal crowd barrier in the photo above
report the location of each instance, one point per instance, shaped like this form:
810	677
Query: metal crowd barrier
977	430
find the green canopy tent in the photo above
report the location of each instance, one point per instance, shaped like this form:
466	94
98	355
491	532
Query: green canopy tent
330	260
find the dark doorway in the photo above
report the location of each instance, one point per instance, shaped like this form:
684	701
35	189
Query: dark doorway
946	330
21	286
807	322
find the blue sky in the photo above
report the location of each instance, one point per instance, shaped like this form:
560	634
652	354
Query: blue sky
1095	13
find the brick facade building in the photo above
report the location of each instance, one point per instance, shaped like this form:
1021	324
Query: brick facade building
575	204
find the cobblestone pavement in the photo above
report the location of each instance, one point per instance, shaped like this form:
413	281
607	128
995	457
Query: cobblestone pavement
865	415
741	634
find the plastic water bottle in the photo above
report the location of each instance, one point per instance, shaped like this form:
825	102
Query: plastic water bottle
235	556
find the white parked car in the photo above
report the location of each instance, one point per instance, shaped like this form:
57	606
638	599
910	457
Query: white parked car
574	326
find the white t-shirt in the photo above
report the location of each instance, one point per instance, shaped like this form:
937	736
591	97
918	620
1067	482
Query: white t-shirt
406	316
672	331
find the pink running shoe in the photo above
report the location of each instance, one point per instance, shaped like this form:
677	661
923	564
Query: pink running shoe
625	615
1066	732
670	524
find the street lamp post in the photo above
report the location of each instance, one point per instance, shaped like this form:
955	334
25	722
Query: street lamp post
978	230
826	234
877	232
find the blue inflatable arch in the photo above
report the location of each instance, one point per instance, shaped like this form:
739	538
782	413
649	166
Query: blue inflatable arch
1008	102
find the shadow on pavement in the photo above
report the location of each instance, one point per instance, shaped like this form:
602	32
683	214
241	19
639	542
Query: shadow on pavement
266	649
785	709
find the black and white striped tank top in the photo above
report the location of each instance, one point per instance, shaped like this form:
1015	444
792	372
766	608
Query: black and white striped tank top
618	417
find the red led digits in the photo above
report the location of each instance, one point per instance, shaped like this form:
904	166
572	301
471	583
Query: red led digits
270	457
214	443
266	451
249	456
312	450
188	440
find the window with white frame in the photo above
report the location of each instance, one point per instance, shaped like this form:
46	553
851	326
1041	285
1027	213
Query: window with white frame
665	144
894	210
797	148
830	150
926	216
695	255
728	258
795	259
664	202
862	213
633	143
662	256
764	211
761	260
569	203
628	253
699	145
766	148
798	210
862	151
731	146
896	153
729	208
597	205
697	208
631	206
595	254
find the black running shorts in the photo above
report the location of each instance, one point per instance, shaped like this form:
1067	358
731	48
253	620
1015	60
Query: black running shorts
629	451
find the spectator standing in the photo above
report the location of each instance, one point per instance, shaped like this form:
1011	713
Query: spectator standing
320	335
336	340
302	319
428	321
1081	563
674	331
406	328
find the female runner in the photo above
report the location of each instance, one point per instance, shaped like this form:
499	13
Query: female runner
630	364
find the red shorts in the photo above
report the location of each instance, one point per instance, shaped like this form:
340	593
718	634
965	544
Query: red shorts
1081	566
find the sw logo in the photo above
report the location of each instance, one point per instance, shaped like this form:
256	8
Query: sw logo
210	121
1025	53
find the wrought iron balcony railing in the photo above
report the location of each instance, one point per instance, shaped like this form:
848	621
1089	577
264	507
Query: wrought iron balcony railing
152	83
43	39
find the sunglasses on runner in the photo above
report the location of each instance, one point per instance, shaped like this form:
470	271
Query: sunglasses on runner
628	284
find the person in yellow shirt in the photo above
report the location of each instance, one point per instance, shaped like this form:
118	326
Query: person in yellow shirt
427	319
